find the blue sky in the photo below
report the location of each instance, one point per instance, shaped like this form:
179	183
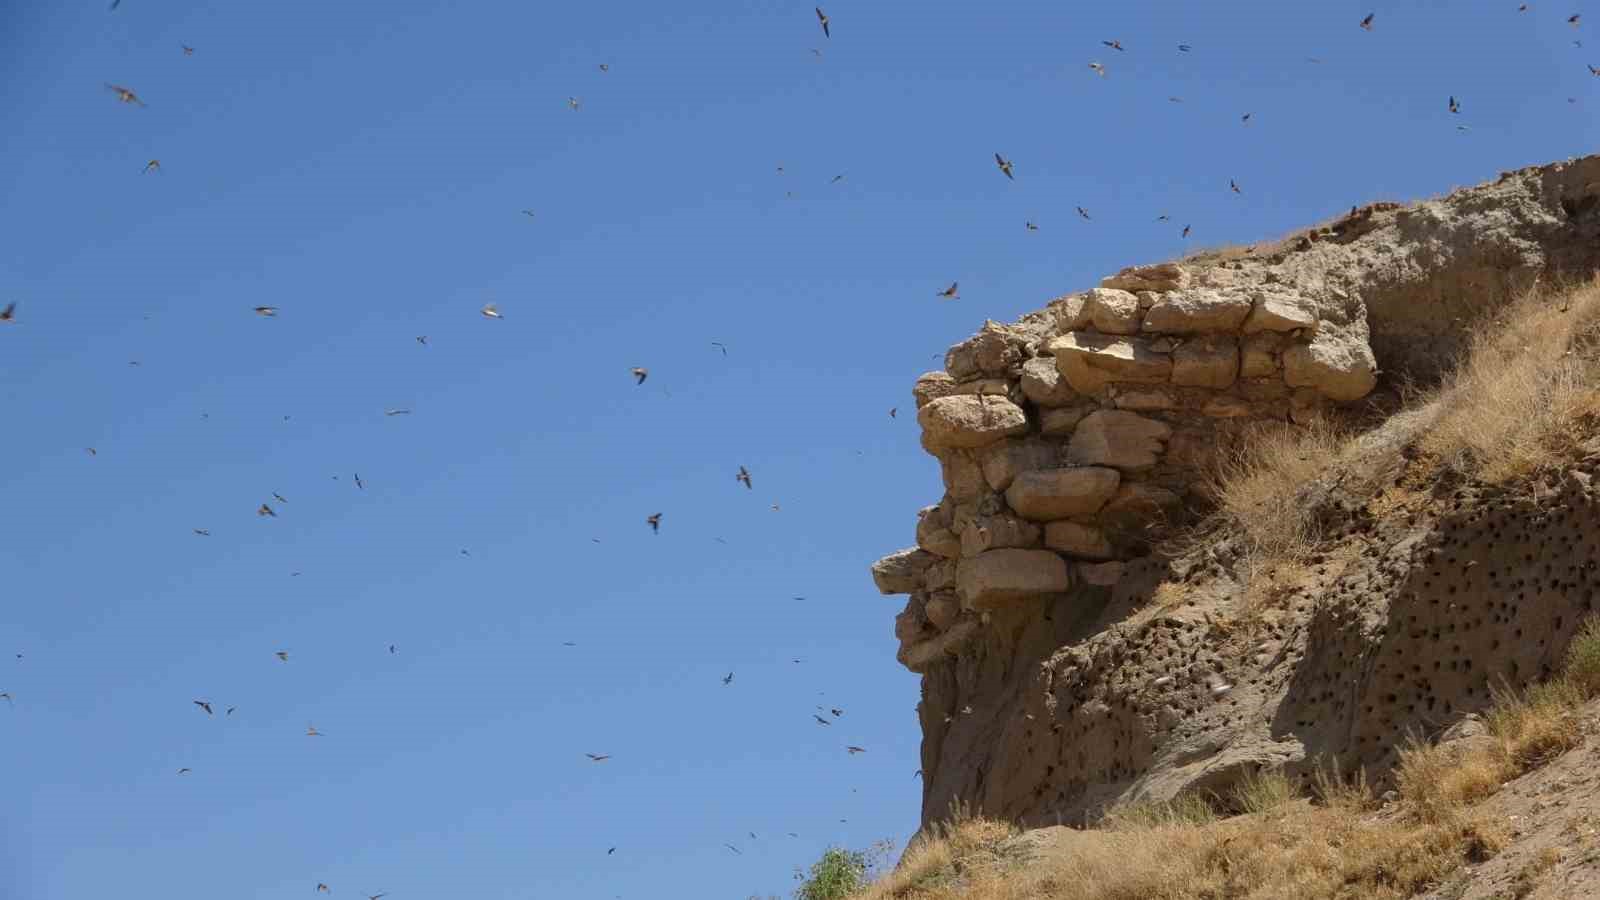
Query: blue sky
363	167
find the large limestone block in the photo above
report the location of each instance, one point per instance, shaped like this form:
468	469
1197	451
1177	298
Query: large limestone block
1338	366
901	572
1078	540
1062	419
1258	354
931	386
1112	311
1197	310
998	532
1043	385
1004	460
1138	505
963	477
1114	437
1050	494
1161	277
1211	362
1279	312
1090	361
1144	399
970	421
999	577
934	534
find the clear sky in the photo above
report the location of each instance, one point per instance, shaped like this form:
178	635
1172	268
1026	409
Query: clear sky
363	167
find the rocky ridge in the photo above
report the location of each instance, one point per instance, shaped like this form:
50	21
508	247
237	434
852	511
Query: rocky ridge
1067	664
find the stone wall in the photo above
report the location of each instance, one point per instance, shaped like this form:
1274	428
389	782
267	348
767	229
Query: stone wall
1072	439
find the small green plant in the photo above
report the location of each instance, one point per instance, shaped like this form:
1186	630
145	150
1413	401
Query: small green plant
1583	658
1183	810
839	873
1263	791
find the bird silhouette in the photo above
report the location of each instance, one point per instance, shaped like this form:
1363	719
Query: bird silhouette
1185	48
1367	22
265	510
322	888
359	485
1084	213
422	339
1098	69
9	314
187	50
744	478
1005	165
279	497
820	720
184	771
893	410
734	849
205	705
720	346
311	731
397	412
1030	226
266	311
1186	230
1115	45
574	104
153	165
598	757
1573	19
124	94
727	679
950	293
201	531
853	750
823	18
640	374
490	311
654	521
282	655
1233	186
1455	106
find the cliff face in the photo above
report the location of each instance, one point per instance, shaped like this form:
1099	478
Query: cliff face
1067	664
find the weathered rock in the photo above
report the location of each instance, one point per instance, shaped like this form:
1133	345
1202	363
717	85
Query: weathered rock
1000	577
1002	461
1337	365
931	386
901	572
1152	399
940	576
1062	419
1258	354
1078	540
1105	574
963	477
1197	310
942	609
1279	312
970	421
1225	406
923	655
988	387
1112	311
1137	505
934	534
1211	362
1062	493
994	350
912	623
1125	440
1043	385
1071	312
1089	361
998	532
1161	277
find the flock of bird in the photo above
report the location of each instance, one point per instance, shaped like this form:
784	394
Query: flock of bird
743	476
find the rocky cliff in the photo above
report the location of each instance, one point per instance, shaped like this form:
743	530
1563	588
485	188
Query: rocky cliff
1071	658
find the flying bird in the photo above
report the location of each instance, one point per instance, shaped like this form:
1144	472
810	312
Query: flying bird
640	374
654	522
820	720
359	485
1367	22
1030	226
949	293
611	851
266	311
1115	45
7	696
854	750
734	849
282	655
422	339
528	212
153	165
836	712
91	451
1098	69
391	649
397	412
184	771
490	311
203	705
376	896
201	531
1233	186
744	478
9	314
728	678
605	67
598	757
187	50
1005	165
279	497
128	96
1185	48
893	410
1573	19
322	888
1084	213
720	346
230	710
311	731
1246	118
266	510
823	18
574	103
836	179
1455	106
1186	231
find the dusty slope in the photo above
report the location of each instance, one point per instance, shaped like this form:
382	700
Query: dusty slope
1067	665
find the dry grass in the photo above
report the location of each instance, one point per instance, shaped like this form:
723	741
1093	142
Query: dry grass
1256	481
1523	400
1281	845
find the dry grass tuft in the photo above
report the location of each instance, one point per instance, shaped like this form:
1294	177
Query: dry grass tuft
1256	482
1523	400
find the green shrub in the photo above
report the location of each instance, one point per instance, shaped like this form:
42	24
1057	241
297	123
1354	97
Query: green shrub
837	875
1583	658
